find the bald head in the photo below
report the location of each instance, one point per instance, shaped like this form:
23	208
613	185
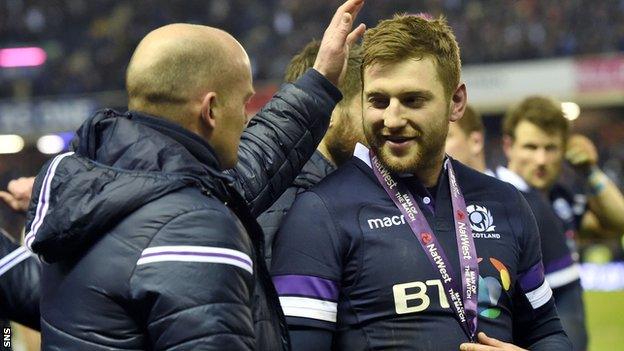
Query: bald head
175	66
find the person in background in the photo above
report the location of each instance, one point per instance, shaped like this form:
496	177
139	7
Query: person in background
536	142
381	254
465	143
20	272
465	140
345	130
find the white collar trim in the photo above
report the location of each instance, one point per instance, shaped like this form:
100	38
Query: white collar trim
506	175
361	152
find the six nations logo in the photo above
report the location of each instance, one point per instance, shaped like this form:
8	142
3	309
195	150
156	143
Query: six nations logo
481	222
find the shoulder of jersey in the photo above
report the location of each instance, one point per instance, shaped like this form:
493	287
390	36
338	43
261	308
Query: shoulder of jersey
348	176
472	180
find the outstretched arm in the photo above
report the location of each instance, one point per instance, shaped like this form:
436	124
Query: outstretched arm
284	134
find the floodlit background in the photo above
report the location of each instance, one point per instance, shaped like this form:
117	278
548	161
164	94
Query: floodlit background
60	60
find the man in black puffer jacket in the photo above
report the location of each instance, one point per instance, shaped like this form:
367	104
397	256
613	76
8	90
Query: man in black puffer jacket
148	244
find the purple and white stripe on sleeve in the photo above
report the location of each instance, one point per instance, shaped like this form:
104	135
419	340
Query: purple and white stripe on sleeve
535	286
200	254
13	259
307	296
43	202
562	271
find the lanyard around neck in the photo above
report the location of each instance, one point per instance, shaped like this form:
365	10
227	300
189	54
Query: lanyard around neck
464	299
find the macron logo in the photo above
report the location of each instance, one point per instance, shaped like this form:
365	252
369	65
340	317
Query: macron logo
376	223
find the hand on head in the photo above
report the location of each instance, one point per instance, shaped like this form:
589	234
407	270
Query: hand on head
331	60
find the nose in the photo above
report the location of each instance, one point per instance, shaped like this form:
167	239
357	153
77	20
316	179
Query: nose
540	156
392	115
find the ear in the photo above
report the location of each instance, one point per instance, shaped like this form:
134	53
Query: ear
458	102
507	144
333	119
476	141
207	110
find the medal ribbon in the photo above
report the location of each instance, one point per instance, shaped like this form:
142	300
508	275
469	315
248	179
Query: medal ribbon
464	301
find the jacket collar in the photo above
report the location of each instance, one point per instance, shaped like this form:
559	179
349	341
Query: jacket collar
192	142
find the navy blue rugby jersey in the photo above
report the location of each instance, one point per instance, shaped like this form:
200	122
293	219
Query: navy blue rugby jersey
570	206
345	260
558	254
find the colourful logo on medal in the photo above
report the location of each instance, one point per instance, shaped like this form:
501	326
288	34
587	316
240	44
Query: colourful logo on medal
426	237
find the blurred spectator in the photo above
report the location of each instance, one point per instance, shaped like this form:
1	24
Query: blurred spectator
89	42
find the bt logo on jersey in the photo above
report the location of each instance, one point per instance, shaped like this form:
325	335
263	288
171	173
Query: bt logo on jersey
416	296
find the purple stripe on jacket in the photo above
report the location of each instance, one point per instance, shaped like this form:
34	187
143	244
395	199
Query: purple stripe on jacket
306	285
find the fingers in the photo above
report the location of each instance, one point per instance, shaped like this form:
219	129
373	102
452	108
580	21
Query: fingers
356	34
21	188
476	347
332	56
486	340
581	153
344	16
8	198
356	10
350	7
489	344
576	157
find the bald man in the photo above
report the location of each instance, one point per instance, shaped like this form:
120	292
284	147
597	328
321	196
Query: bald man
147	243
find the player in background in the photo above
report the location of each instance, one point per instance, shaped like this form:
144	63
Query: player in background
466	143
336	147
537	141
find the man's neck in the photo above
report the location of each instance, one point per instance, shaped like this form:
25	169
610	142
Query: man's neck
479	164
322	148
429	174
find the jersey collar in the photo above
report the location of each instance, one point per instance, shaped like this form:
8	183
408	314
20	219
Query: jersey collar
511	177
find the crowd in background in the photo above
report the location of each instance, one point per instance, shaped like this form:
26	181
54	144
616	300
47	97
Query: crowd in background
89	42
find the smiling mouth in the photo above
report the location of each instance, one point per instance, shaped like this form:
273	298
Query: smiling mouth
396	139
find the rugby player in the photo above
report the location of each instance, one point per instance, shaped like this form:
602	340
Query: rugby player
381	255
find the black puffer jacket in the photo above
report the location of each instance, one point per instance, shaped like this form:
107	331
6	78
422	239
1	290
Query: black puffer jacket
150	247
19	283
317	168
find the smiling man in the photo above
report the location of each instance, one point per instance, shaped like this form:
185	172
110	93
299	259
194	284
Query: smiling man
403	248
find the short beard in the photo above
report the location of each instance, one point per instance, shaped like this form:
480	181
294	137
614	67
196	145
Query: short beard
426	157
341	140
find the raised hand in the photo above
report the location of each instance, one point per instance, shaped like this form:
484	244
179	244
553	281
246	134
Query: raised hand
581	152
331	60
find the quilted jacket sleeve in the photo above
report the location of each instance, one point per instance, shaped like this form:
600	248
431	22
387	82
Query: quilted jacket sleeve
194	284
19	284
281	138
